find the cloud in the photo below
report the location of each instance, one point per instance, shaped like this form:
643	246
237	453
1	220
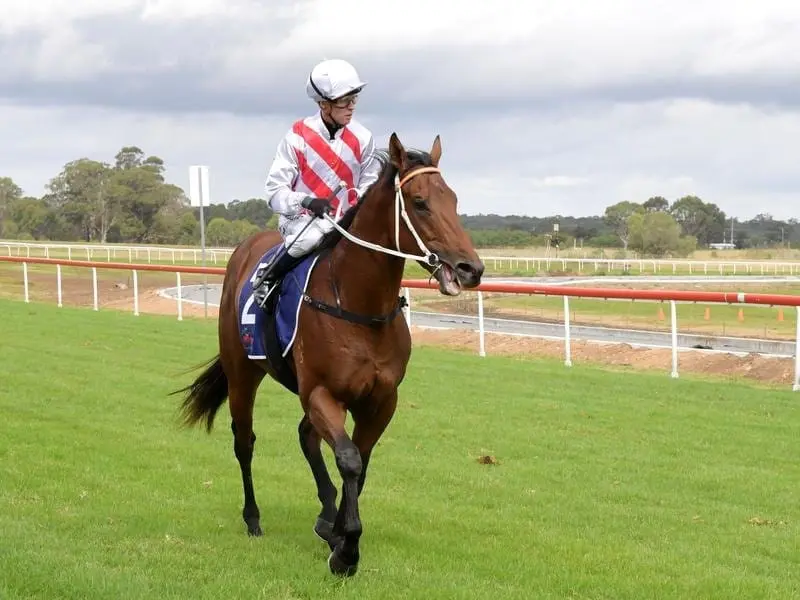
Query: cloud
543	107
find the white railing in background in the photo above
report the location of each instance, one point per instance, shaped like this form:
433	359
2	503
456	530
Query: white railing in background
520	264
112	252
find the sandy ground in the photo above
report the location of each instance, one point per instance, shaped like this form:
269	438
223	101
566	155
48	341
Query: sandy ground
114	292
778	371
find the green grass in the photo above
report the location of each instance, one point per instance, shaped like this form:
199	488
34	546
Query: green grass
609	485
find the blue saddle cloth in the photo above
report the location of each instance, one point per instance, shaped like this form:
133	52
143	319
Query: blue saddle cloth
254	323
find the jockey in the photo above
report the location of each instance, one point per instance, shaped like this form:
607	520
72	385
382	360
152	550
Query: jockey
313	158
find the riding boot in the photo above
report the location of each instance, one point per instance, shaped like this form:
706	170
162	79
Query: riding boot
277	271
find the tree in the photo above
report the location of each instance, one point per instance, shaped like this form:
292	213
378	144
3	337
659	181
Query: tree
273	222
141	194
704	221
617	215
10	192
220	232
31	217
656	204
155	165
654	233
82	194
129	157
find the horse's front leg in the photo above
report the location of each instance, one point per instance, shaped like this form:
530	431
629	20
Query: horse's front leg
328	418
370	423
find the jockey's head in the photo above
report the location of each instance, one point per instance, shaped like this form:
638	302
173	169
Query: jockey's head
334	85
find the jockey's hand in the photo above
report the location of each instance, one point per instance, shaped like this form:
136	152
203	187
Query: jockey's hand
318	206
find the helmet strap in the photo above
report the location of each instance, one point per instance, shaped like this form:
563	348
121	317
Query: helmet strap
331	125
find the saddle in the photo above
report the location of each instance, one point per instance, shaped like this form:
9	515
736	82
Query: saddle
268	320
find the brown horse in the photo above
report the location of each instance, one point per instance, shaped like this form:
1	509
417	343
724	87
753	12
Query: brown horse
350	351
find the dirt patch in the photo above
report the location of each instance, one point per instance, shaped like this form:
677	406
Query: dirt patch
114	289
151	302
778	371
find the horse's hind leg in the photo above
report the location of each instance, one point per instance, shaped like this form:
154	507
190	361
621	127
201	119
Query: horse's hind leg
326	491
241	396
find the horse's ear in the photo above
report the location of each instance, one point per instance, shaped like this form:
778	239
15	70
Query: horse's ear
397	153
436	151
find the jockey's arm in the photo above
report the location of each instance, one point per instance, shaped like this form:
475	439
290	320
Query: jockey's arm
281	178
370	168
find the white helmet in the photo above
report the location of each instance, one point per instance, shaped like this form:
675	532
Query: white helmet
332	79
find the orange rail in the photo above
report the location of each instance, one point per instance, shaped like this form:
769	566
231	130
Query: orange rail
487	286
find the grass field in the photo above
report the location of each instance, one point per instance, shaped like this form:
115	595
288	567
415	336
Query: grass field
607	484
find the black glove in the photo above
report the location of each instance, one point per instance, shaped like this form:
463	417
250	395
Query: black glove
318	206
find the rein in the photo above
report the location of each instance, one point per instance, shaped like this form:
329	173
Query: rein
429	257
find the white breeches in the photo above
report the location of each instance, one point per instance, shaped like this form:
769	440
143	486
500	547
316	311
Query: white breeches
311	237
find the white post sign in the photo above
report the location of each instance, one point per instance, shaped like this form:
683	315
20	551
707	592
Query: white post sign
199	196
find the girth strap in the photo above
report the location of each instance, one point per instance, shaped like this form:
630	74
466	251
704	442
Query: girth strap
341	313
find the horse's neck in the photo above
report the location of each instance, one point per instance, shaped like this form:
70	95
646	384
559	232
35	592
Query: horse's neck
369	280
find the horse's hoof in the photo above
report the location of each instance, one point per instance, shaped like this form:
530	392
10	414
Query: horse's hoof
254	529
323	529
340	567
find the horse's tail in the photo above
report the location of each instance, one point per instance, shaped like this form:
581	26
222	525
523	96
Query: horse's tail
206	394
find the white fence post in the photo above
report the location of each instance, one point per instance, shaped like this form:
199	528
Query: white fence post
796	385
180	298
674	318
567	338
135	293
94	287
58	284
25	281
481	327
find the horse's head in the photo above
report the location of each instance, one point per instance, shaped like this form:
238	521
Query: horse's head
429	208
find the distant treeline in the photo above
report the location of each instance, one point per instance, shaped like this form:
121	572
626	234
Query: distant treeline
128	200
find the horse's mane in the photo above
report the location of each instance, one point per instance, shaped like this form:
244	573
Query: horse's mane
385	179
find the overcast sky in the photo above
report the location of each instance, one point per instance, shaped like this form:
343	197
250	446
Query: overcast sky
543	107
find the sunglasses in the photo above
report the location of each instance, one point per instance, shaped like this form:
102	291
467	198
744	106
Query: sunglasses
346	101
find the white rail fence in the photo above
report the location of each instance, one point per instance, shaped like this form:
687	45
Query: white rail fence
671	296
521	264
112	252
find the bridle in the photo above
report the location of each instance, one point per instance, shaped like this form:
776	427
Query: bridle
399	211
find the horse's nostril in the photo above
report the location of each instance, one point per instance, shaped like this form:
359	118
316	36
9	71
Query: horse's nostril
470	271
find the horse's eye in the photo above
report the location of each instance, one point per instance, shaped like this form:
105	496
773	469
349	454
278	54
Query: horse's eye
420	203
